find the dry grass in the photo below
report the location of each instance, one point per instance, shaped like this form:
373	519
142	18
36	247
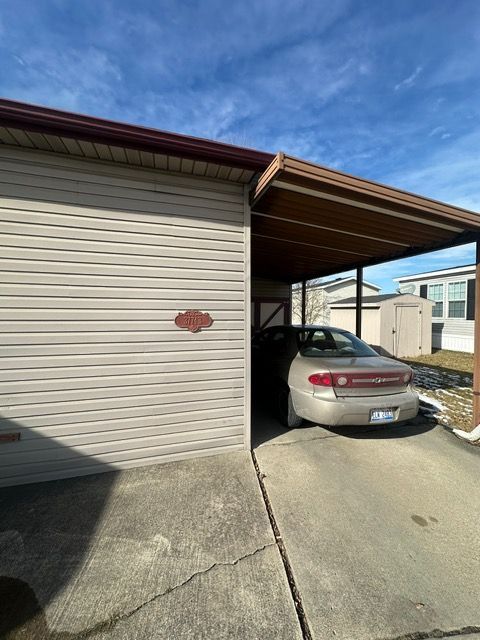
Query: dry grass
451	360
445	377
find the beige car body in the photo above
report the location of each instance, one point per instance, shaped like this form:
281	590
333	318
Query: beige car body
323	405
333	406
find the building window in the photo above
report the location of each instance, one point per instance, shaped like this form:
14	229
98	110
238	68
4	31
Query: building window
435	292
457	299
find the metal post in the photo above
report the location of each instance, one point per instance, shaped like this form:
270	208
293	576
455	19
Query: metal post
358	307
476	344
304	302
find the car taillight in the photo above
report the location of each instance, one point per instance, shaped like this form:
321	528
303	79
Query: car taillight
321	379
408	377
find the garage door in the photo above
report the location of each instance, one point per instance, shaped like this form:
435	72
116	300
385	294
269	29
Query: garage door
97	260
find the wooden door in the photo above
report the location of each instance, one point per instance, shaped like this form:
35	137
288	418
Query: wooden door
407	331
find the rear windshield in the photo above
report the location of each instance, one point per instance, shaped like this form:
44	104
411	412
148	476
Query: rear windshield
327	343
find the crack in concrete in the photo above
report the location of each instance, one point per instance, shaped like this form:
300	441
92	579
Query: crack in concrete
107	625
437	633
300	440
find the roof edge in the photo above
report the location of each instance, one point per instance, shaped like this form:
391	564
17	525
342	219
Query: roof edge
323	285
47	120
420	274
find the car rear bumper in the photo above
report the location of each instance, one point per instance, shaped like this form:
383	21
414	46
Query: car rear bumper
353	411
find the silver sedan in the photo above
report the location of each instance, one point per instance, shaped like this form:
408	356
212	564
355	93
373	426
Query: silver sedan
329	376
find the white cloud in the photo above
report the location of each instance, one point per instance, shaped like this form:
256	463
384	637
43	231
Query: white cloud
410	80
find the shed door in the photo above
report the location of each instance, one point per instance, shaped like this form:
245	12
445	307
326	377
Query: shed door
407	336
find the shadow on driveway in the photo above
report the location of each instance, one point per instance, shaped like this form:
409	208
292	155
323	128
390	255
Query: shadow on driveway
46	530
267	429
179	550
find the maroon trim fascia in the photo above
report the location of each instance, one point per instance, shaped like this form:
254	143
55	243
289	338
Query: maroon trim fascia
31	117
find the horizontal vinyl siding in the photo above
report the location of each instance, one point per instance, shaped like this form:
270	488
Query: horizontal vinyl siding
452	342
454	334
454	326
96	262
459	326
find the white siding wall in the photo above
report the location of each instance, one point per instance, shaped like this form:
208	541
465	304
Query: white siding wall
340	291
96	262
346	319
454	334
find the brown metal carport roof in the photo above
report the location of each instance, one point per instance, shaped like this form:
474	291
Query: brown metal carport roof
309	221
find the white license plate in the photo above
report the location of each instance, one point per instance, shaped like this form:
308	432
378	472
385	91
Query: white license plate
381	415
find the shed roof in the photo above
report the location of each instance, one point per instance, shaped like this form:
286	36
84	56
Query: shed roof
367	299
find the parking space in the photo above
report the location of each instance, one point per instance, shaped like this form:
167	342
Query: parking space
381	527
181	550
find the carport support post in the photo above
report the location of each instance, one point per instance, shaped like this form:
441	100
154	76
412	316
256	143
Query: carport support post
358	305
476	344
304	302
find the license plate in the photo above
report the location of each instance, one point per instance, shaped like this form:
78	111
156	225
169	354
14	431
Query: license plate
381	415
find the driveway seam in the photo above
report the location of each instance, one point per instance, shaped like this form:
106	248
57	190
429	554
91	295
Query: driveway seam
296	596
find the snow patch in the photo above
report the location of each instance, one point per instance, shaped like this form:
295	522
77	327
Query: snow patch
473	436
432	402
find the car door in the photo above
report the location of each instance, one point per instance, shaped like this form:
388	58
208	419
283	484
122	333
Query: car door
282	349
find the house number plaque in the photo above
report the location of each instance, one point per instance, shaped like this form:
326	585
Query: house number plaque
193	320
9	437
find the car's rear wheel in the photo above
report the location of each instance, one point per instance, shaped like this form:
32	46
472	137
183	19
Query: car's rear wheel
285	409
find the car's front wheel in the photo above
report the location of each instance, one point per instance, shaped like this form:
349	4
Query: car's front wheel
285	409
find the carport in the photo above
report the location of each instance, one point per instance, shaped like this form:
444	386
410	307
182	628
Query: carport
112	233
309	221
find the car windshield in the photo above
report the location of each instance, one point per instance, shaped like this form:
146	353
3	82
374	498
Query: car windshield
330	343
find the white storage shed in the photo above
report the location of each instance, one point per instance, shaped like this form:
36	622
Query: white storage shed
394	325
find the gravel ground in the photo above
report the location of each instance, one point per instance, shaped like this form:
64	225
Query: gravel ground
444	379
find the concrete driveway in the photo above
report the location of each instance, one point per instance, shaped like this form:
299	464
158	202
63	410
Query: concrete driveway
379	530
180	550
382	528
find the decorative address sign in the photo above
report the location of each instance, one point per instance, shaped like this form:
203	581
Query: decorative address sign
9	437
193	320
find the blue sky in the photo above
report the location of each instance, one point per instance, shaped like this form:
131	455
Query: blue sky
386	90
